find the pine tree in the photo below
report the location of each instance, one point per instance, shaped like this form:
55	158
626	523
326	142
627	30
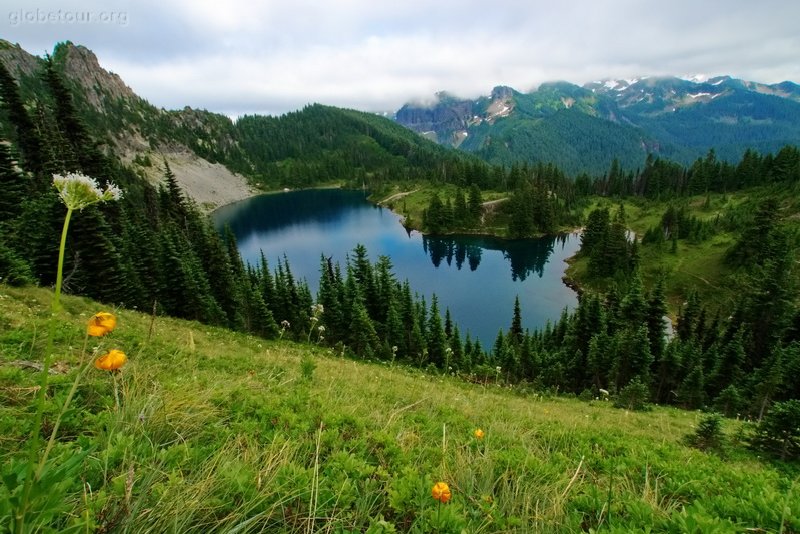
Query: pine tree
633	307
633	358
363	339
687	319
515	332
461	214
330	295
436	340
655	317
78	151
13	185
27	138
475	205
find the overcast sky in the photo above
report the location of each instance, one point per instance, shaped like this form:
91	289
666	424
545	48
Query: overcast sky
234	57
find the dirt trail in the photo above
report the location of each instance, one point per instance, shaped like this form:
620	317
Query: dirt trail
396	196
492	203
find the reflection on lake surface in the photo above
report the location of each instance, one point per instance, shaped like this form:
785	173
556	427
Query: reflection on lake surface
526	256
476	277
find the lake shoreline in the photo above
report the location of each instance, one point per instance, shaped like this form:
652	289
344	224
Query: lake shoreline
476	277
567	279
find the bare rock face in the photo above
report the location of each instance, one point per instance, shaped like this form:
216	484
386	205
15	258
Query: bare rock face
99	85
446	115
136	131
17	61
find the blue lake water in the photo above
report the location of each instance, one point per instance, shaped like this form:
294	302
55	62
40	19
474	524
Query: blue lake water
477	278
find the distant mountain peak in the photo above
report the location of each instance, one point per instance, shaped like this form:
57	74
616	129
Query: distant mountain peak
695	78
581	127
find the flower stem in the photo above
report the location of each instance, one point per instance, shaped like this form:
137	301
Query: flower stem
81	370
60	271
35	439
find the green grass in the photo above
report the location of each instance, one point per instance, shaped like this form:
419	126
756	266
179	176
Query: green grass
221	432
695	266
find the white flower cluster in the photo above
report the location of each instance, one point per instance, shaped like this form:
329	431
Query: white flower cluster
78	191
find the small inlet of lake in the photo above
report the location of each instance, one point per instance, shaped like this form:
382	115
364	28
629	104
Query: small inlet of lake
476	277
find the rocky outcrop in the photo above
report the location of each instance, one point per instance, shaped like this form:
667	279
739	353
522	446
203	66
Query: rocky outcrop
444	117
135	131
99	85
17	61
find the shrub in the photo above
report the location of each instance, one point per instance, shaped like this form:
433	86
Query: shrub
779	431
634	396
729	402
708	435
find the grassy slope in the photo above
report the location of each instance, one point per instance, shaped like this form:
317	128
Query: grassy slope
218	430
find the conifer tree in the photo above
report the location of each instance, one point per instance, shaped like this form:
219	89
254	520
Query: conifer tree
78	151
656	313
330	294
515	332
362	339
474	205
27	138
12	183
395	330
633	307
436	340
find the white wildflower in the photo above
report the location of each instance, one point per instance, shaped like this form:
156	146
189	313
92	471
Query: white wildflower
78	191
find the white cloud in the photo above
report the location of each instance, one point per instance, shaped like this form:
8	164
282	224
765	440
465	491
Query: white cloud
275	56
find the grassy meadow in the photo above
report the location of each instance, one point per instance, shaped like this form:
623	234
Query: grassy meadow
205	430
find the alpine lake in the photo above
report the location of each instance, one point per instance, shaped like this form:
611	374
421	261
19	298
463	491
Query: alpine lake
476	277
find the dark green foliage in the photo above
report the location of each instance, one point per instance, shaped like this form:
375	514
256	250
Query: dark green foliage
779	431
27	138
729	402
13	185
13	269
691	393
708	435
606	244
634	396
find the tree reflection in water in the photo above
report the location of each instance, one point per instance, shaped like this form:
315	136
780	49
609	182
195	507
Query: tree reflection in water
526	256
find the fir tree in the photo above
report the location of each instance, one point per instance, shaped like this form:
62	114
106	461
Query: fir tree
436	340
474	205
515	332
12	183
27	138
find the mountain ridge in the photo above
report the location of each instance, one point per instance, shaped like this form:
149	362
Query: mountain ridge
667	116
217	160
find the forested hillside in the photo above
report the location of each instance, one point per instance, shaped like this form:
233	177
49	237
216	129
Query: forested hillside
154	250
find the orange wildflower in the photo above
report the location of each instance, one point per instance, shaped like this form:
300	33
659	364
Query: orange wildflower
111	361
441	492
101	324
479	433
